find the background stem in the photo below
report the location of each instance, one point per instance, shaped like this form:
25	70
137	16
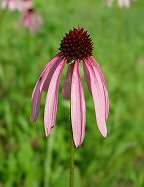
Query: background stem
2	15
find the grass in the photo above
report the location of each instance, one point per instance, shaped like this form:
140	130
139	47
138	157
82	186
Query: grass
27	158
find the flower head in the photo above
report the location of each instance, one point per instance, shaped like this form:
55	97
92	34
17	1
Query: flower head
11	4
77	44
25	5
75	48
31	20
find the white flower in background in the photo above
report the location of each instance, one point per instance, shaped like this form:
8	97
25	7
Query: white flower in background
121	3
109	2
124	3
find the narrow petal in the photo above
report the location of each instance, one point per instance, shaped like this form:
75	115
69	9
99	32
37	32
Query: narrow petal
101	74
50	72
98	96
78	108
36	100
37	93
66	91
87	77
52	99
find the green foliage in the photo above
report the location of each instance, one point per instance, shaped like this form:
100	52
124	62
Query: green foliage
27	158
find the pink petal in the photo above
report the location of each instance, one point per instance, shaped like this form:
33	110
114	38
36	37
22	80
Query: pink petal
36	100
78	108
87	77
4	4
67	84
98	96
50	72
37	93
98	68
52	99
12	5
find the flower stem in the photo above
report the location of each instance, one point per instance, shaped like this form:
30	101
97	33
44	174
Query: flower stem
27	43
71	158
48	161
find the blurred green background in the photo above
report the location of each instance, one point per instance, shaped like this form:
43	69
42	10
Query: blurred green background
27	157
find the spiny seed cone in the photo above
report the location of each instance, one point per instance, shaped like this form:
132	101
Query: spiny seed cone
31	10
77	44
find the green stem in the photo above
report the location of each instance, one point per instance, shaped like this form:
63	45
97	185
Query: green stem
71	158
48	161
2	15
27	43
122	45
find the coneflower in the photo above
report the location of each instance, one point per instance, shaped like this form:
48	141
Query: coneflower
76	48
31	20
11	4
24	5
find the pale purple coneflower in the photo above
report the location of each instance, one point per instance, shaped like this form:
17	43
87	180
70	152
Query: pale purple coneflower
25	5
11	4
31	20
76	48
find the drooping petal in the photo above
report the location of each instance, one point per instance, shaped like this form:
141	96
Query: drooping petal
37	93
101	74
35	22
98	97
78	108
66	91
87	77
49	73
36	100
52	99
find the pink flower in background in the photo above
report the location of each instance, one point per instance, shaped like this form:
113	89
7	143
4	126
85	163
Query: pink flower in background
75	49
11	4
24	5
31	20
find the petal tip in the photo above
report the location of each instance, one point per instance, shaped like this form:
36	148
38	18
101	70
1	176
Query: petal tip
47	133
78	144
31	119
104	133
